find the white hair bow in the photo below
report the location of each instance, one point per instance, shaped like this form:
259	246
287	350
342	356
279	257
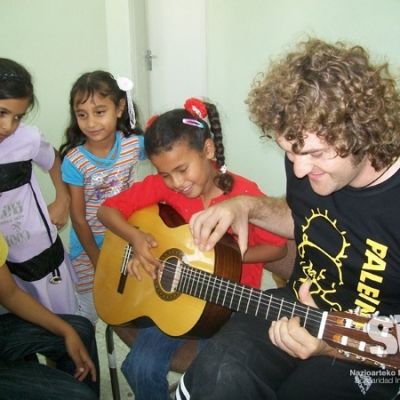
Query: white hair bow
126	85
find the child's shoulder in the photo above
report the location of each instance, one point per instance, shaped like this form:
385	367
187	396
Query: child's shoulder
26	140
244	185
137	140
77	158
73	153
29	132
133	146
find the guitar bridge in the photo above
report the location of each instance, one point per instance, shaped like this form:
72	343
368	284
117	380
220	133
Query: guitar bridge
123	268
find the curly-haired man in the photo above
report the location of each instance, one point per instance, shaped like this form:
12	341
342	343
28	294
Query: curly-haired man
337	117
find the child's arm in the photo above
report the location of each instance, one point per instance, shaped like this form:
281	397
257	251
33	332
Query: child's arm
141	242
80	224
263	253
23	305
59	208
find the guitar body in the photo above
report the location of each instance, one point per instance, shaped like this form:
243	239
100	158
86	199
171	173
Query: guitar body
120	298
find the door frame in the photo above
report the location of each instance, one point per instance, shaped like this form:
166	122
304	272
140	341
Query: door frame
127	43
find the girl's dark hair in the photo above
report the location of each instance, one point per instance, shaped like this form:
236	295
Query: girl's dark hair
169	128
15	82
86	86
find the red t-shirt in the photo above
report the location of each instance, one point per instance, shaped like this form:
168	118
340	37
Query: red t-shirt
153	190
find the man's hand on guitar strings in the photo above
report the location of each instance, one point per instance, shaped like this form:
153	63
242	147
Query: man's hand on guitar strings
210	225
291	337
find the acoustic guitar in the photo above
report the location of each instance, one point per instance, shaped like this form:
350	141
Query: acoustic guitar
196	291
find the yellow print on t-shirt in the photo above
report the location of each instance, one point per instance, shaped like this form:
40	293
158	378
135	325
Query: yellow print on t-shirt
371	276
330	259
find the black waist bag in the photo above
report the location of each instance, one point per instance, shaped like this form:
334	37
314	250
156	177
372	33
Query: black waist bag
41	265
13	175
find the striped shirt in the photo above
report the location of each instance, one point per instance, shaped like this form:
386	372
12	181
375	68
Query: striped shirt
100	179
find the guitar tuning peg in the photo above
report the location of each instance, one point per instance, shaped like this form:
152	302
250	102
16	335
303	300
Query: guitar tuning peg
375	314
380	365
344	353
356	311
394	319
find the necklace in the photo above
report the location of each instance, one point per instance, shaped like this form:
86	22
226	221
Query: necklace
378	177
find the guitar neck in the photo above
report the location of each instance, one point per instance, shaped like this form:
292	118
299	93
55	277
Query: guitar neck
245	299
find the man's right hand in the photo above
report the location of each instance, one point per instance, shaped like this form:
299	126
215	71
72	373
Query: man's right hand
210	225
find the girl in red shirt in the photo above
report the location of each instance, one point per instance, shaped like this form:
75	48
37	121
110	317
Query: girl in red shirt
188	154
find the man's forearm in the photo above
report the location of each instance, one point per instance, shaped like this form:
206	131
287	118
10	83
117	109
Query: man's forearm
272	214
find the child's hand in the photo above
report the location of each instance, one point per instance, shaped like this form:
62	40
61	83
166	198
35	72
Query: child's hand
59	212
142	256
77	351
94	256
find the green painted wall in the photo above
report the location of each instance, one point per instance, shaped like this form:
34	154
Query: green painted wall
57	40
244	34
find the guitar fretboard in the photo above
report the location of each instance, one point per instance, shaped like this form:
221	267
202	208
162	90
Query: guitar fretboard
245	299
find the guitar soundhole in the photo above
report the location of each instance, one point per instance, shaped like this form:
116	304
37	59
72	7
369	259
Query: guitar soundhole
167	279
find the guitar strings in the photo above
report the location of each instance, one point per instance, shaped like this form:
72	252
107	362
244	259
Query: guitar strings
311	314
280	306
330	331
256	296
275	304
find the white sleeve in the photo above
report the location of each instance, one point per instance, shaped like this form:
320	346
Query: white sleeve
45	154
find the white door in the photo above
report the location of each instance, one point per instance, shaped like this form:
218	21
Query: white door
174	58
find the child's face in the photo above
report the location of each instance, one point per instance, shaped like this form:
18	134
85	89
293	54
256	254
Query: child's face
11	114
186	170
97	118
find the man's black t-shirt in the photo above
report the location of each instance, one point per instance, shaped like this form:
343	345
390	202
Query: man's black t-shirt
348	244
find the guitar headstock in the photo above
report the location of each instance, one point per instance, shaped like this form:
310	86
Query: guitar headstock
367	339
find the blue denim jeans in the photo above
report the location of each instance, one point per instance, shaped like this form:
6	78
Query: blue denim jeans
21	379
147	363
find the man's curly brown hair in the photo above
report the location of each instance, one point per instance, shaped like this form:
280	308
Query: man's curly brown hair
335	92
